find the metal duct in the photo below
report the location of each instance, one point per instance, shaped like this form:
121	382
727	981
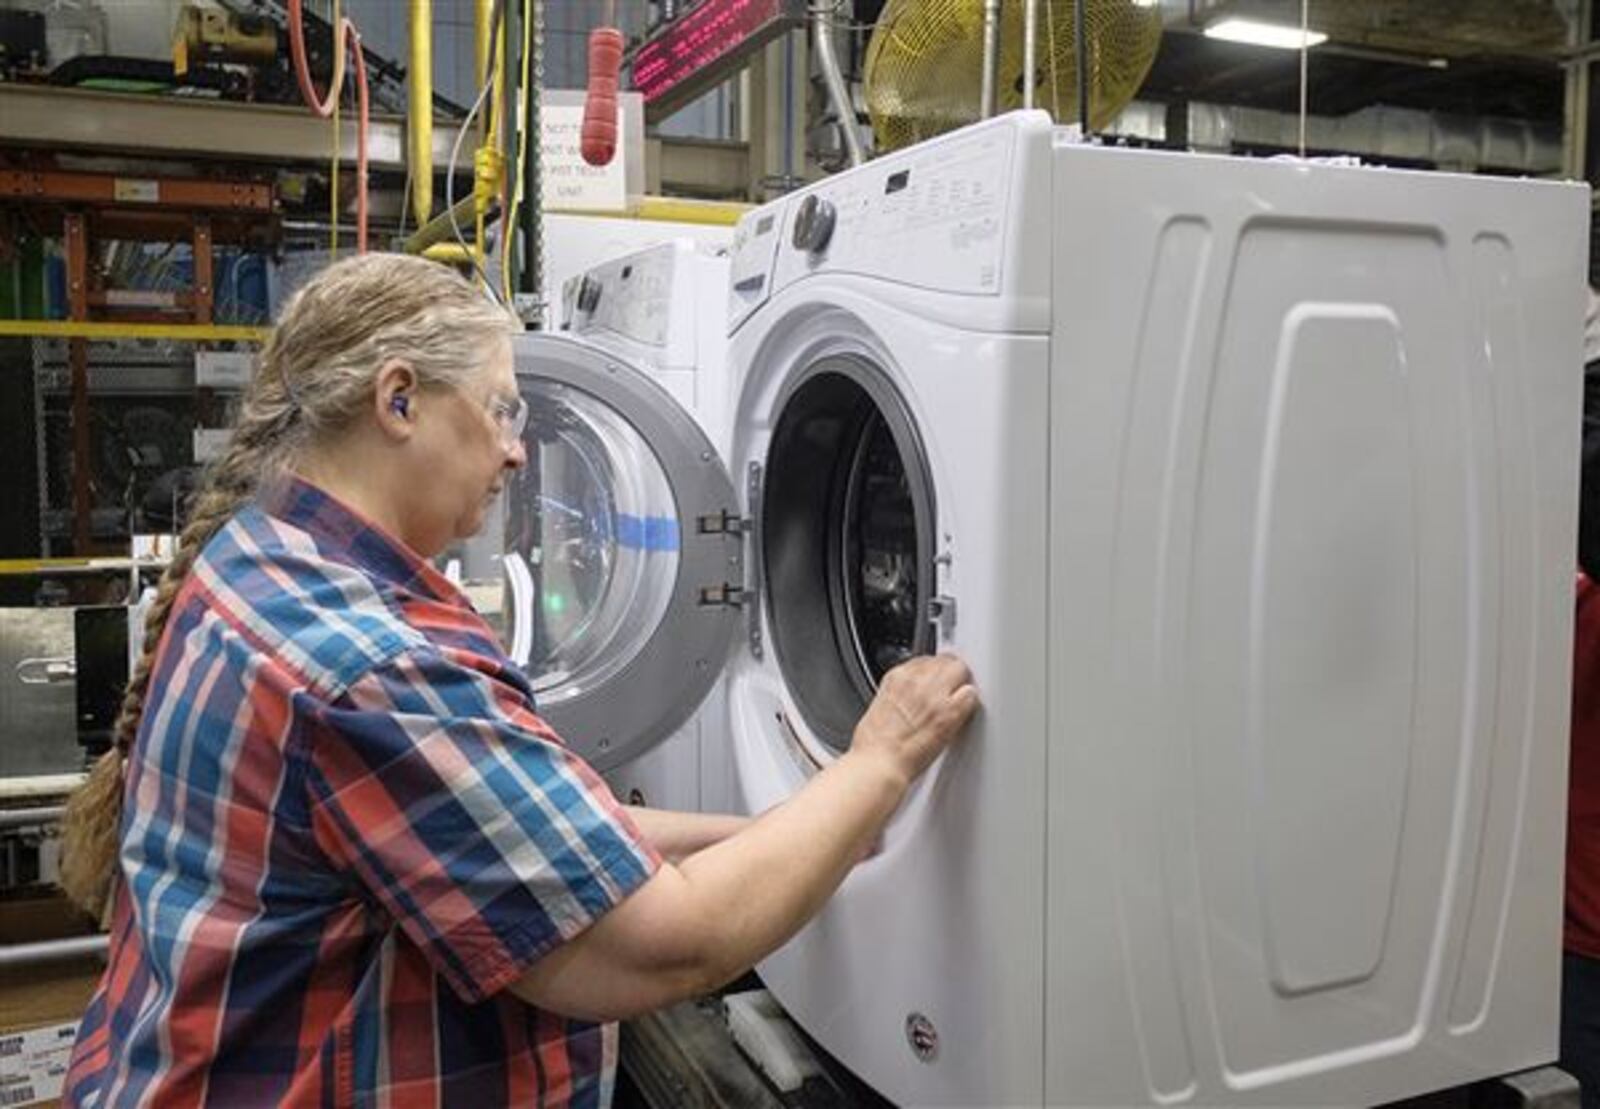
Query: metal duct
1465	143
1401	134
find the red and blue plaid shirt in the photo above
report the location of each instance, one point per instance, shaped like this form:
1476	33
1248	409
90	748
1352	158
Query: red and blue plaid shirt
346	832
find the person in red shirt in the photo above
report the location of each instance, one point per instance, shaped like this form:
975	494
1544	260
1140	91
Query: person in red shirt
1580	982
1580	979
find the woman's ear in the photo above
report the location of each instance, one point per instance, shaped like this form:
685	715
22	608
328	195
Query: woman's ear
394	399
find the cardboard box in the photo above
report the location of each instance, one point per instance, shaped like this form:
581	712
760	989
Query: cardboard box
40	1006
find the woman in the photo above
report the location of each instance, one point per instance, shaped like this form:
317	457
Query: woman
355	866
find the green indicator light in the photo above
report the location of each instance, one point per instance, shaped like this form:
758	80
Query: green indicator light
555	603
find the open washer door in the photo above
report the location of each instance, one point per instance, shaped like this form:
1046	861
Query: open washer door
623	555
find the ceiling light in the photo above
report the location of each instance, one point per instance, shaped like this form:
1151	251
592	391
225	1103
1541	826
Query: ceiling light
1257	33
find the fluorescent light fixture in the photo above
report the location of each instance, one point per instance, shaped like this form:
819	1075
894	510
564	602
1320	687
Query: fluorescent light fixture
1257	33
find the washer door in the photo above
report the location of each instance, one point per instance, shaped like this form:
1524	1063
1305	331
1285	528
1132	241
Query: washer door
623	565
846	532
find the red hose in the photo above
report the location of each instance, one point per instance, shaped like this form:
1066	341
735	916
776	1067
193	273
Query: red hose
302	72
345	37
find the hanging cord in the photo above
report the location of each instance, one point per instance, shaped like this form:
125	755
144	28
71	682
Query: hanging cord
1305	68
345	36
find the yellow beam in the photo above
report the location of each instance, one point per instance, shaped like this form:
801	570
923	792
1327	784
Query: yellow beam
671	209
55	565
679	210
183	332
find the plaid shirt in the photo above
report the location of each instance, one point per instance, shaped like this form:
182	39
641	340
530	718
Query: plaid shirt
345	834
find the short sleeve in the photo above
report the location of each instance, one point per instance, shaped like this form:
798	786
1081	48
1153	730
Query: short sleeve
463	815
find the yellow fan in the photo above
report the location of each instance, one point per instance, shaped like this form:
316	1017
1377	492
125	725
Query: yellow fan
924	67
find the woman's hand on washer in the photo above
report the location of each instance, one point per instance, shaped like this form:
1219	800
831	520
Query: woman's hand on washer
702	922
921	706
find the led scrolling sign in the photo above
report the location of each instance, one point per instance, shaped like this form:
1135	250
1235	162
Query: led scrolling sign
684	59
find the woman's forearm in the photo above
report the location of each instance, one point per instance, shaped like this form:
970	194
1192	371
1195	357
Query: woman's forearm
677	835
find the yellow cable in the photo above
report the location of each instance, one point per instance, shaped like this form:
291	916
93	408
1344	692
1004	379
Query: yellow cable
338	99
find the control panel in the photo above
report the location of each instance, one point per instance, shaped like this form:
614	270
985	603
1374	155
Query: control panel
630	297
933	217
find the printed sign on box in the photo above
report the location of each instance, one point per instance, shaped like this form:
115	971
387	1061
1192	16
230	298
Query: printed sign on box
33	1064
569	184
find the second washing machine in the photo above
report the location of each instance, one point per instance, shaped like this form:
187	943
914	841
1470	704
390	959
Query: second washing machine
605	526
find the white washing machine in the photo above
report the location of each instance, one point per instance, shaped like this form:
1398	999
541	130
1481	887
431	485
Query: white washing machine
662	312
1247	489
619	578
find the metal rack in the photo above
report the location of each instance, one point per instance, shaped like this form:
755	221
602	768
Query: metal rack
92	207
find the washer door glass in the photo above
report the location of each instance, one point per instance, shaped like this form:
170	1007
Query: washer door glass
606	581
591	543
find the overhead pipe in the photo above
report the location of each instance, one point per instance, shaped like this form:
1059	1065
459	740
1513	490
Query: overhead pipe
420	110
838	94
482	18
25	818
991	57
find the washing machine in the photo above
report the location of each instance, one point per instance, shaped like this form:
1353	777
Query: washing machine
604	543
663	311
1247	489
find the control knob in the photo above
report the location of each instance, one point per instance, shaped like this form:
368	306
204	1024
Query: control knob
588	294
813	224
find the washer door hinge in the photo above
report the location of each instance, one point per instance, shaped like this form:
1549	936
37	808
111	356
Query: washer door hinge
722	596
722	523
